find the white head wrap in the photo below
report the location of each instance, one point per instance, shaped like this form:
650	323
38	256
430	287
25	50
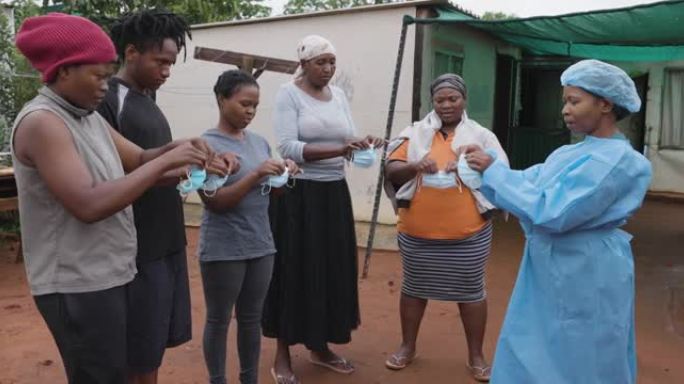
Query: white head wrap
310	47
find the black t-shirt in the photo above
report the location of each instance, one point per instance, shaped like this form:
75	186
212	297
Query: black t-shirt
158	212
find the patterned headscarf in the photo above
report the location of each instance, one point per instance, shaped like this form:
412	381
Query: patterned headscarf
310	47
449	80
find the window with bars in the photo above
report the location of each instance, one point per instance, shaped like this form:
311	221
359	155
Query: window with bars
447	62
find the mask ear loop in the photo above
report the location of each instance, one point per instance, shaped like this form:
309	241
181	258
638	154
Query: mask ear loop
210	192
183	195
291	182
458	182
187	183
265	189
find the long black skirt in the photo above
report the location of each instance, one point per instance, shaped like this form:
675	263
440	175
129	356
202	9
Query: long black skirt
313	297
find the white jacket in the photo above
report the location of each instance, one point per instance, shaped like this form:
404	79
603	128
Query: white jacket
420	135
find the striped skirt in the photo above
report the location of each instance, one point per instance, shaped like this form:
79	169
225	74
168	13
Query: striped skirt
451	270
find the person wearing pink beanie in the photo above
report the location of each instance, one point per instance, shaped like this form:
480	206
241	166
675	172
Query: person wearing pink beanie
76	179
57	40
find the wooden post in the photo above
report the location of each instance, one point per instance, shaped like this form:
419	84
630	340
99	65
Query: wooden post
247	64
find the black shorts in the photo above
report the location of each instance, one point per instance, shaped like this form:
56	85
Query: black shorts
158	311
90	332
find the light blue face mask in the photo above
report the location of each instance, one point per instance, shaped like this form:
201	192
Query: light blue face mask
364	158
213	183
275	181
195	181
470	177
439	180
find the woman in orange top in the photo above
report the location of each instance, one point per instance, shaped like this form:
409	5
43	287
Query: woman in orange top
444	233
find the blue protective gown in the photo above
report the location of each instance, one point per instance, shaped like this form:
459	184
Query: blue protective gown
570	319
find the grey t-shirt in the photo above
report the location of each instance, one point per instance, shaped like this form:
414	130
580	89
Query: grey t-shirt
300	119
244	232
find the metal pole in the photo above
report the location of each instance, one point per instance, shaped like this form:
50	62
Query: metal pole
388	132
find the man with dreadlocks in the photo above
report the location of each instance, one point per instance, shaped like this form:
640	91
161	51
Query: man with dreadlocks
147	43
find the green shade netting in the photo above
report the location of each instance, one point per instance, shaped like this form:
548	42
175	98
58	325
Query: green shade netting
651	32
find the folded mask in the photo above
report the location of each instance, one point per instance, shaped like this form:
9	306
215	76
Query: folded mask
195	180
275	181
364	158
470	177
440	180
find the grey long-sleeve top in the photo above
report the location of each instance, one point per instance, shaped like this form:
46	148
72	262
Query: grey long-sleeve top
300	119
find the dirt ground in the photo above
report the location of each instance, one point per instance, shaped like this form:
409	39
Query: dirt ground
28	354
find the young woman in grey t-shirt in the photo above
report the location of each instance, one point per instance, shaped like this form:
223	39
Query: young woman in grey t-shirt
236	246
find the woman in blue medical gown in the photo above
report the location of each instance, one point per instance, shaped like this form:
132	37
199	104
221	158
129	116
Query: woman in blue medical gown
571	315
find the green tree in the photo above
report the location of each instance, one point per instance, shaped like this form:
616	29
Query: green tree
18	81
24	9
99	11
195	11
498	16
302	6
205	11
14	92
6	65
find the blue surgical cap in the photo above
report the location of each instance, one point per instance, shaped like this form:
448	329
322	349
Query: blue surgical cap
604	80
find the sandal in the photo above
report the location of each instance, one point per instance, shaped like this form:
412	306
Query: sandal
280	379
481	374
339	365
397	362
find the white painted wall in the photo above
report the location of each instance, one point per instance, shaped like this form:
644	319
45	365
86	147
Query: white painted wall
668	164
366	43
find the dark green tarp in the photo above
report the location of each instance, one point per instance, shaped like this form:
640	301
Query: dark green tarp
650	32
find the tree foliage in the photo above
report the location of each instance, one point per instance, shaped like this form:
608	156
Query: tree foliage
18	81
195	11
302	6
491	16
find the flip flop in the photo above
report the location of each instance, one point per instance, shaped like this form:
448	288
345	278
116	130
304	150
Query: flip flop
396	362
280	379
481	374
333	365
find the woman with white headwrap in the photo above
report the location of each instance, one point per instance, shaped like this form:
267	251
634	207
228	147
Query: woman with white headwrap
313	298
571	316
